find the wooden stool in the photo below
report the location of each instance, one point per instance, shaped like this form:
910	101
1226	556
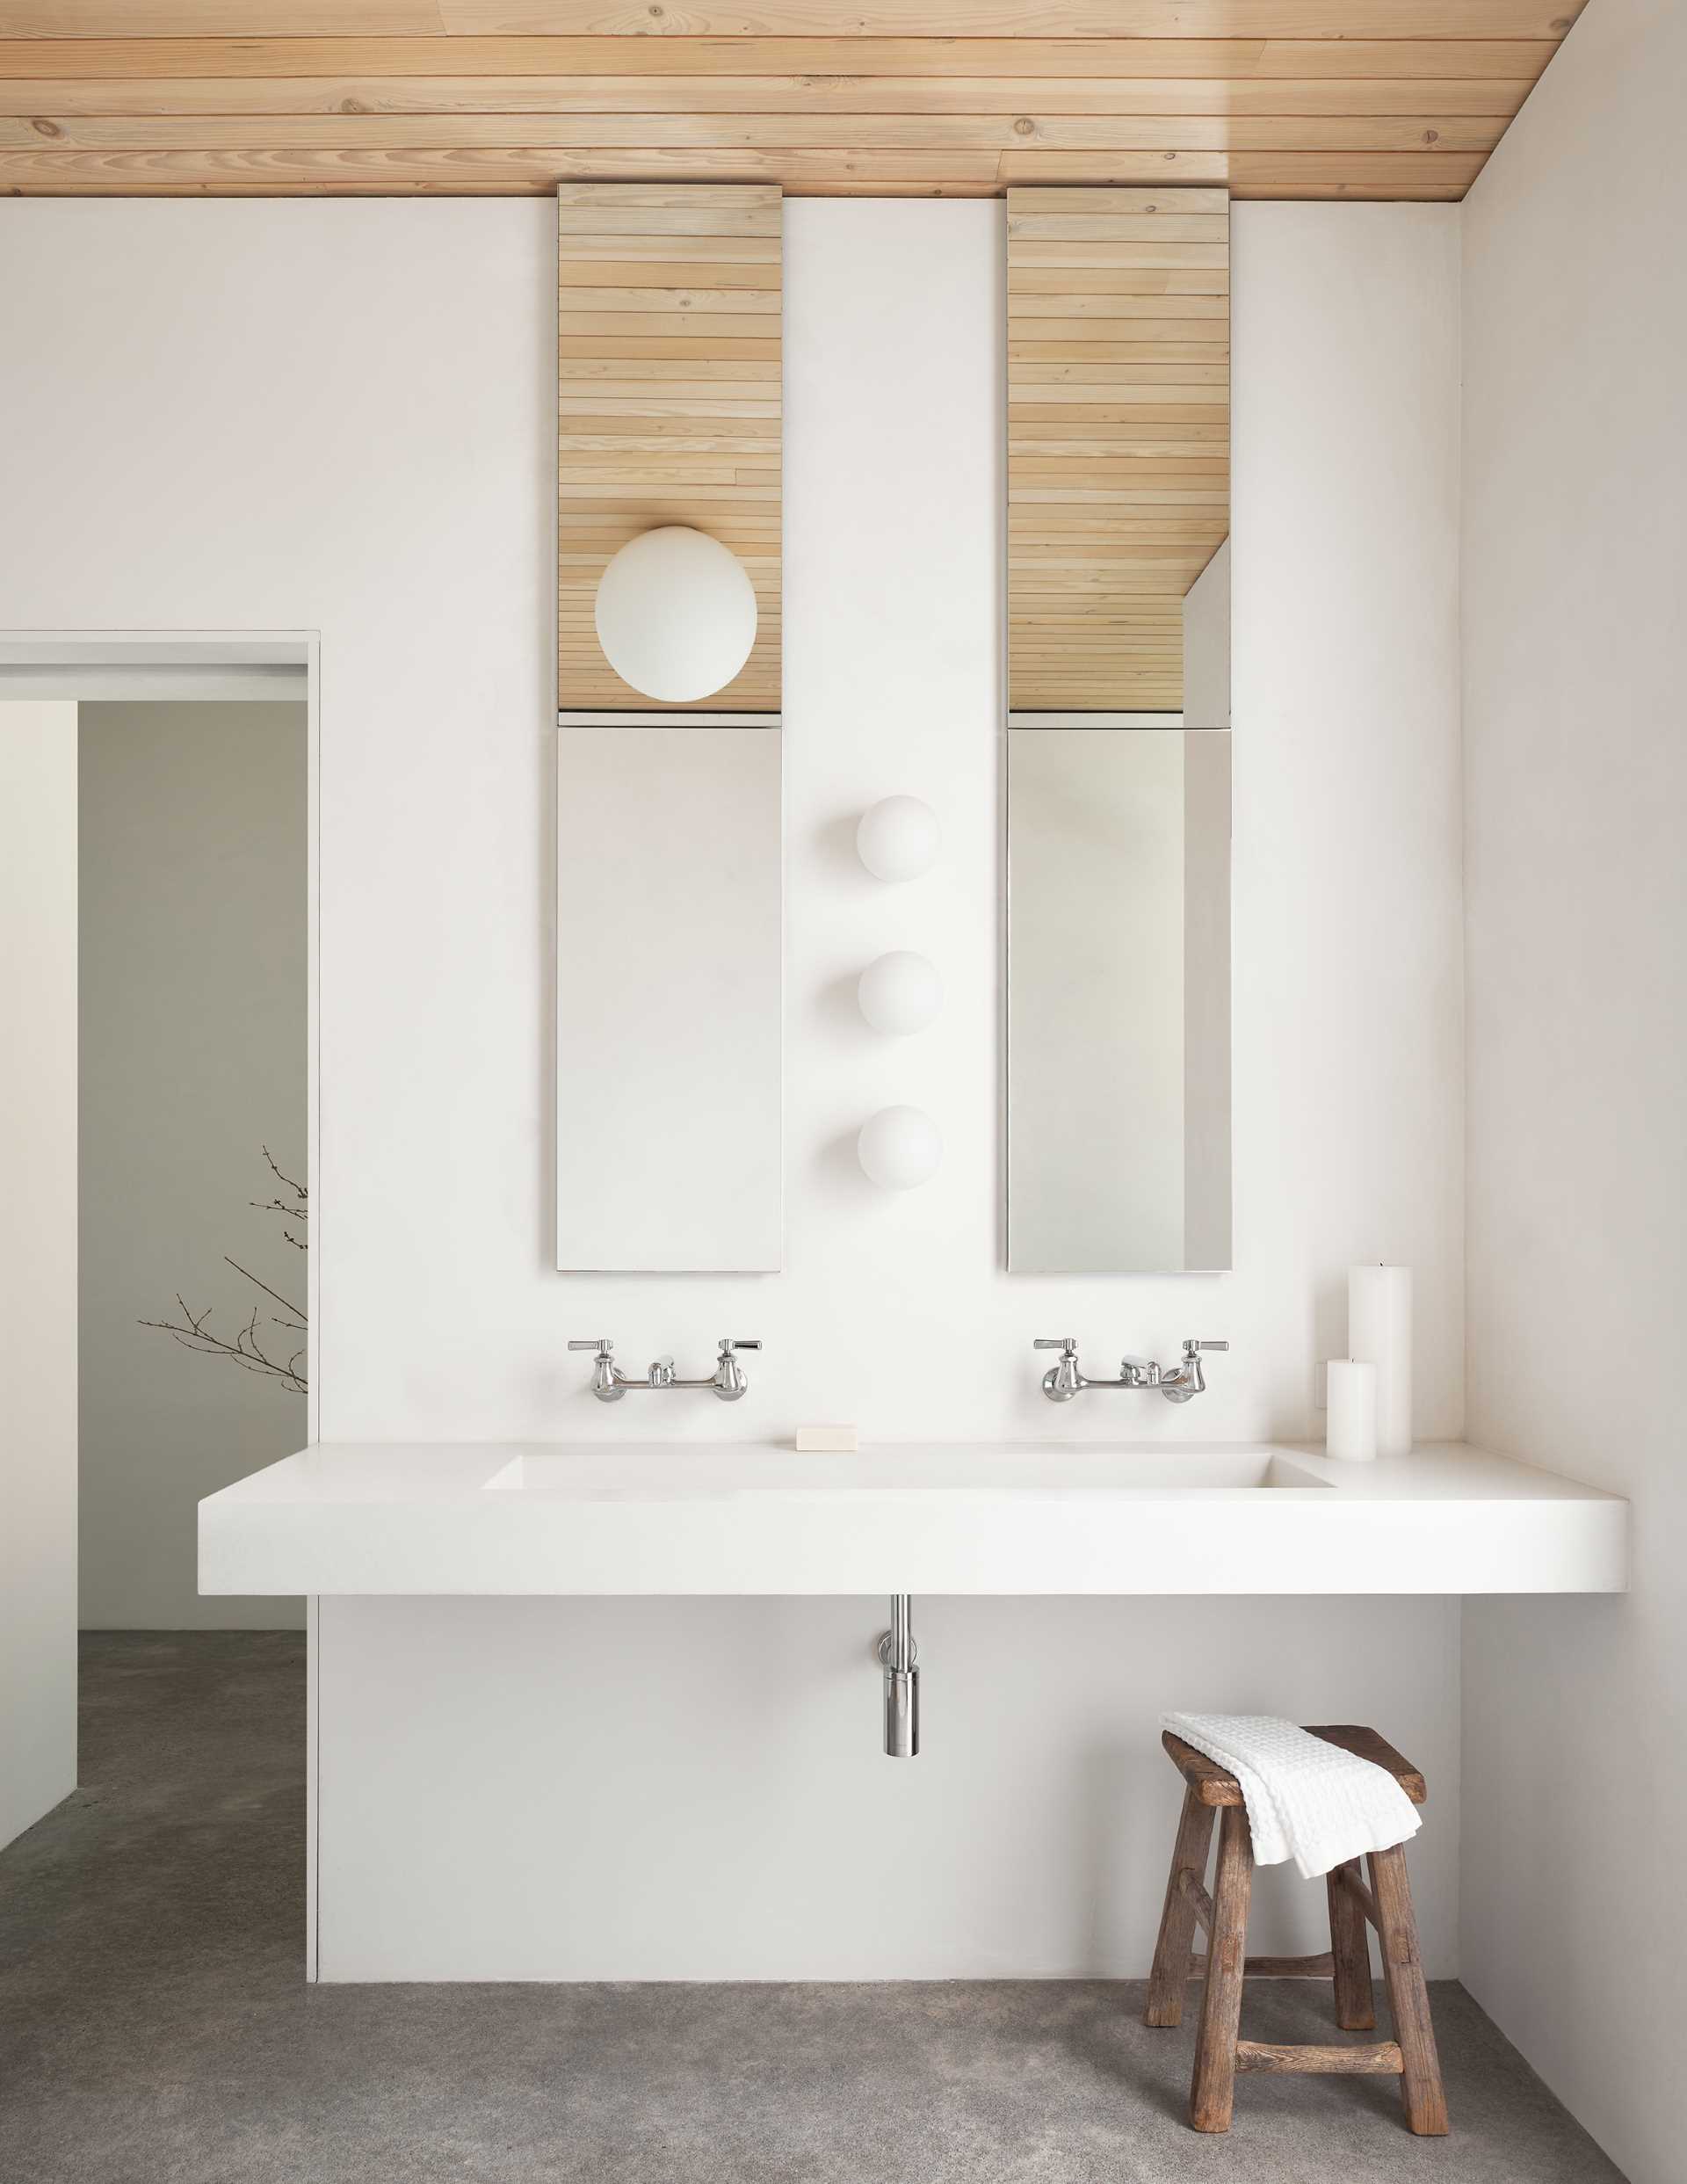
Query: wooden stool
1388	1904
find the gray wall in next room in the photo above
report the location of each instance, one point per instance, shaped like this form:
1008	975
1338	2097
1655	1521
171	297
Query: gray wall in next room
193	1015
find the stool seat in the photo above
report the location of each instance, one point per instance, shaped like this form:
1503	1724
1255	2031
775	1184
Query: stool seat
1211	1792
1216	1786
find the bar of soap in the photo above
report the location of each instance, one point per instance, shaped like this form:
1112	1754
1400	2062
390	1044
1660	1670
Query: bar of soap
831	1440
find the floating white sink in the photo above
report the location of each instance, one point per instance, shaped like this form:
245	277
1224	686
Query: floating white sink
719	1517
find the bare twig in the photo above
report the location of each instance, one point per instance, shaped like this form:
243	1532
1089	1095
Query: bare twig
298	1189
298	1210
193	1330
298	1310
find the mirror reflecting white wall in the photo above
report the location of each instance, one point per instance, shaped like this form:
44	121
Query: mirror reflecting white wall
1118	995
668	994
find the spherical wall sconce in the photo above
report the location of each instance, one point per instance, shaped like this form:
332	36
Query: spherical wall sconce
898	838
900	1148
675	615
899	993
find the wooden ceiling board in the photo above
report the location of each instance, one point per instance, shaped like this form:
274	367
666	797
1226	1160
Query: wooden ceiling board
1014	20
1461	58
1052	108
1275	98
668	407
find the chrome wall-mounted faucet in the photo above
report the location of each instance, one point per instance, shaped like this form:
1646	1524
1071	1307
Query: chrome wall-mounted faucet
609	1383
1177	1383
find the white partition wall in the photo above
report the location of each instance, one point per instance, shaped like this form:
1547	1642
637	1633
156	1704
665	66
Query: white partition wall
38	1266
1575	572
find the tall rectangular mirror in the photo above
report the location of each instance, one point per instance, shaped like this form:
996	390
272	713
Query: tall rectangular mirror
1119	996
669	851
1118	760
668	890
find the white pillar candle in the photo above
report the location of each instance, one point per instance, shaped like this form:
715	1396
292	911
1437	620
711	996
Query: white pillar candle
1352	1401
1380	1331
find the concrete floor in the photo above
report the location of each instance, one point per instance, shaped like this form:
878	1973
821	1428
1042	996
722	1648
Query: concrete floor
155	2027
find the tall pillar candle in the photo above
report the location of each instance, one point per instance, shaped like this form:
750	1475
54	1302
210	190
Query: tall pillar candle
1352	1398
1379	1330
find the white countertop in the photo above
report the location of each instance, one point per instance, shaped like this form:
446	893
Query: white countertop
711	1517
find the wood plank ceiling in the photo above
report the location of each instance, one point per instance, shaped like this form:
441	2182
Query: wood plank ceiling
1274	99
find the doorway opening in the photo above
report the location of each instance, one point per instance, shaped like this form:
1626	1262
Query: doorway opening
157	925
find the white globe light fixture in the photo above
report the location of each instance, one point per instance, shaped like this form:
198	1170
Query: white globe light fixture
898	838
675	615
900	1148
899	993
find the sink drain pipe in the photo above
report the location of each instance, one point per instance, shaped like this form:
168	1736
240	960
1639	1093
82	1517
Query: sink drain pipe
898	1653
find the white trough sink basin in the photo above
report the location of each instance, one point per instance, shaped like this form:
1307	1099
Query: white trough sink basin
717	1517
687	1471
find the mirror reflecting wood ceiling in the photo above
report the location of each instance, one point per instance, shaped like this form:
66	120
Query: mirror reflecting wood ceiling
668	405
1269	98
1118	439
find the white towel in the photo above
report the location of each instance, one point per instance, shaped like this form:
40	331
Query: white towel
1305	1799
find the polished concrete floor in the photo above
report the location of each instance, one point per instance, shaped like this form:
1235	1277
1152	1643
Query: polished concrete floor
155	2027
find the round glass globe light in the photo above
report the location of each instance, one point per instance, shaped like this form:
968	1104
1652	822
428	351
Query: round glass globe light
898	838
899	993
676	614
900	1148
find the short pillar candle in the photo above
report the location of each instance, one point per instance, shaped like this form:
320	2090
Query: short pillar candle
1351	1395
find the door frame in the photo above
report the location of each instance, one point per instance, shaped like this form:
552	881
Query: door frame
40	663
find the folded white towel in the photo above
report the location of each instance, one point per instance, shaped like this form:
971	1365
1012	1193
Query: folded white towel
1305	1799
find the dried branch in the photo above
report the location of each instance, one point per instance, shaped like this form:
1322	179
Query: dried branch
194	1333
193	1330
298	1210
287	1181
298	1310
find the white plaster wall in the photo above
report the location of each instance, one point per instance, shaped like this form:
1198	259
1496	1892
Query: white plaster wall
1575	570
1349	1022
339	416
610	1789
38	1270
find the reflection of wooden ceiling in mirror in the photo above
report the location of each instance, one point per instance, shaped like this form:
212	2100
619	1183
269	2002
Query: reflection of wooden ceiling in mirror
1283	98
1118	429
668	404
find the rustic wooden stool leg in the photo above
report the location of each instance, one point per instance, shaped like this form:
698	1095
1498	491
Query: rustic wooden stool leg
1170	1974
1408	1998
1350	1947
1211	2095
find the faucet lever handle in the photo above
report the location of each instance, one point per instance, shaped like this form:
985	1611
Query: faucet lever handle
1069	1344
1191	1346
604	1344
729	1343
